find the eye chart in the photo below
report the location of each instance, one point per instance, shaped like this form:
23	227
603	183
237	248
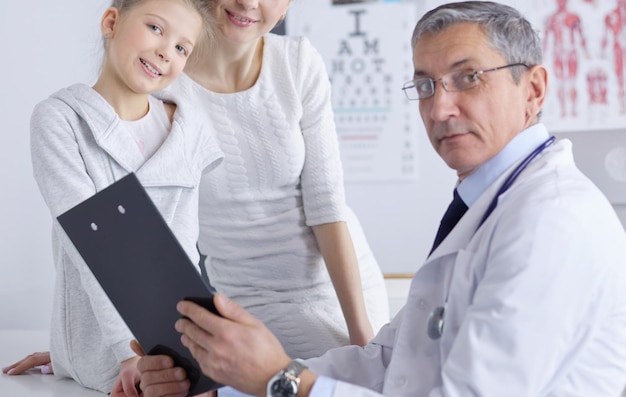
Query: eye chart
366	47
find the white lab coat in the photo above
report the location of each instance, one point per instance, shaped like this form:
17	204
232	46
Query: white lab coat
536	300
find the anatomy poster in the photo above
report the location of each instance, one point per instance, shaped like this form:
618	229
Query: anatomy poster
366	47
584	47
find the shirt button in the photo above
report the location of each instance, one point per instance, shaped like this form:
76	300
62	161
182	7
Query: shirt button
422	304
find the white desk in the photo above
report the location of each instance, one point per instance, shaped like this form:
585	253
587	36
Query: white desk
14	345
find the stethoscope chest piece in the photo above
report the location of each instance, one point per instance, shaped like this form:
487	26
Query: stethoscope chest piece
435	323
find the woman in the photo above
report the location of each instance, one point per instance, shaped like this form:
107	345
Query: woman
273	220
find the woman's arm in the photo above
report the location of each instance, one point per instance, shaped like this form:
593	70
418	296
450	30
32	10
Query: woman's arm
323	191
337	249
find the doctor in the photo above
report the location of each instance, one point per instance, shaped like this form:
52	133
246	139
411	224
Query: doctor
526	298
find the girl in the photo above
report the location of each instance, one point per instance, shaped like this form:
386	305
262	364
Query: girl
85	138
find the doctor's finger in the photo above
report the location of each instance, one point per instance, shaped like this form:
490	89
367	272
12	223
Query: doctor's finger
233	311
154	363
192	334
201	352
198	315
230	312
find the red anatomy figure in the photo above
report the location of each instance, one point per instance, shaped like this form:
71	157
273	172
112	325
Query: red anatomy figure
615	25
565	28
596	86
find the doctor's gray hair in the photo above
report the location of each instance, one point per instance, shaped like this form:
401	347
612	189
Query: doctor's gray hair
508	32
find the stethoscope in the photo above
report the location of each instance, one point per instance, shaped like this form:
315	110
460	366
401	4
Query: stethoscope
436	319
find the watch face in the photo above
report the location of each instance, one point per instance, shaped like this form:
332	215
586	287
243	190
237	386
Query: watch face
283	387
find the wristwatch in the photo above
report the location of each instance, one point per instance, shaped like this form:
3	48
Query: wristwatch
286	382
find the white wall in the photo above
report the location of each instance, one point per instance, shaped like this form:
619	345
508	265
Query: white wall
47	46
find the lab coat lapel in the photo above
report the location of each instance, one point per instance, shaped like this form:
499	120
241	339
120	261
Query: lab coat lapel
429	291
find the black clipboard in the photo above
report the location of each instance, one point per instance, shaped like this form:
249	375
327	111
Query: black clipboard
142	267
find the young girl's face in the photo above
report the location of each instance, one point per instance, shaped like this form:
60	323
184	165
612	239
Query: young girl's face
149	44
240	21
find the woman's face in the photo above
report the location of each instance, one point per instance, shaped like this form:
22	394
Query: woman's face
242	21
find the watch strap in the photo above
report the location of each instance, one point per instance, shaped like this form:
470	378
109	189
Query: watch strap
295	368
286	382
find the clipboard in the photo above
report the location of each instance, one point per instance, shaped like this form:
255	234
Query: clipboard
142	267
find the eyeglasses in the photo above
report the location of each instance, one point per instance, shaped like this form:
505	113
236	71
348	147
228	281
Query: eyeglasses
458	80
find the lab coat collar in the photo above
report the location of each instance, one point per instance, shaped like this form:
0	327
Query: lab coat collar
464	231
518	148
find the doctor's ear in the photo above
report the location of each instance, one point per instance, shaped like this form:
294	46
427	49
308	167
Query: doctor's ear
537	86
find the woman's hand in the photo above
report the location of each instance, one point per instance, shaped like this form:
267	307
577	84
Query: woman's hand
31	361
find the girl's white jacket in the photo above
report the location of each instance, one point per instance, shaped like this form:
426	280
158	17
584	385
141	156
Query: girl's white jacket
78	148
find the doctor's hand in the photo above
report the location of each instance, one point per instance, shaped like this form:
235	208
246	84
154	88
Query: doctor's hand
235	350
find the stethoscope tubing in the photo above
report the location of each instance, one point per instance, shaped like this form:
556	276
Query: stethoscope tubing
511	178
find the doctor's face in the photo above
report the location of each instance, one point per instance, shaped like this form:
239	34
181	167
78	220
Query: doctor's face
468	128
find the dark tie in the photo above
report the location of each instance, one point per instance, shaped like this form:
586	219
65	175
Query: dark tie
455	211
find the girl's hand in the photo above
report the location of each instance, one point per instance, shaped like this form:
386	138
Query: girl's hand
128	381
31	361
